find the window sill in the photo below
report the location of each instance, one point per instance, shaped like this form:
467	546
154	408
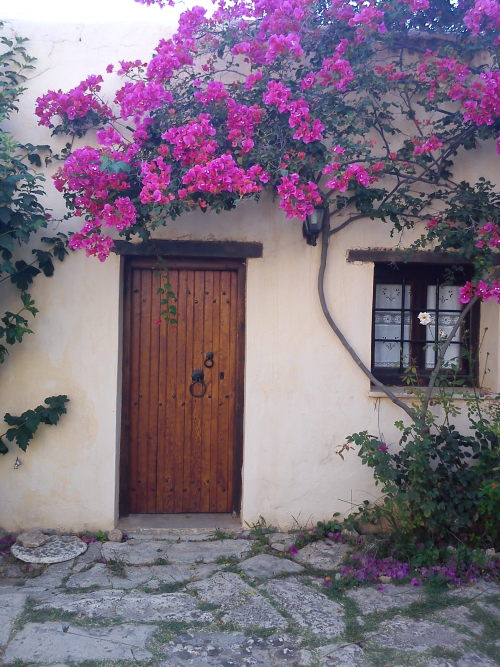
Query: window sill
402	392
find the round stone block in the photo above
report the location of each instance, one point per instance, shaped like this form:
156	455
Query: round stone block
115	535
57	549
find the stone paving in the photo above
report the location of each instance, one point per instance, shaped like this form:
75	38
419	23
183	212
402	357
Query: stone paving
177	599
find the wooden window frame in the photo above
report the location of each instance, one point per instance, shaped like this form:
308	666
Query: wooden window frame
421	275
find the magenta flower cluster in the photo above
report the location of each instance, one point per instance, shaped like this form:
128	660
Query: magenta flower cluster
76	103
481	289
307	129
368	569
178	137
222	174
298	199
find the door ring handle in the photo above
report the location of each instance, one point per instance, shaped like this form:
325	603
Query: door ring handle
203	389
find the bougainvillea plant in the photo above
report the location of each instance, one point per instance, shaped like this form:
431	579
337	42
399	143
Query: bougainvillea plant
358	107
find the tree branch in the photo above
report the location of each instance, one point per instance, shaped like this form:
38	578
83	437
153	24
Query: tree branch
333	325
442	351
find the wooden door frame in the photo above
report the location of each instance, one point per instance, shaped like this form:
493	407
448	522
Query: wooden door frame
175	262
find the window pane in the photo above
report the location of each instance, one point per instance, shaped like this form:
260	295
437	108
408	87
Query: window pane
447	300
388	313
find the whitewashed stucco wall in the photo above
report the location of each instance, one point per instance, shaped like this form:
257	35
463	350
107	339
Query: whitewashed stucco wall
303	393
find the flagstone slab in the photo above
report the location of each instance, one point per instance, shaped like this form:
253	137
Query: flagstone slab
152	577
129	606
52	642
230	648
373	598
476	591
52	577
323	555
207	552
489	608
92	555
264	566
11	606
9	569
467	660
147	552
406	634
460	615
334	655
239	602
56	549
135	552
309	608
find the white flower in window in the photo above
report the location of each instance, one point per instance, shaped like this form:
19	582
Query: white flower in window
424	318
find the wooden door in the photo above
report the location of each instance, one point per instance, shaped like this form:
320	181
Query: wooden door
181	442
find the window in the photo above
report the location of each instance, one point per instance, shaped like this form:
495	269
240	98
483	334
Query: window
401	292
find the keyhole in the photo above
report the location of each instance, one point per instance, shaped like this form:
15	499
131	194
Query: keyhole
221	375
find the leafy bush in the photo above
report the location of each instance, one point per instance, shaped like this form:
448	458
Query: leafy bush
438	484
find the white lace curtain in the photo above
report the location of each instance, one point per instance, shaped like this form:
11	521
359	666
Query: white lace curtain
393	349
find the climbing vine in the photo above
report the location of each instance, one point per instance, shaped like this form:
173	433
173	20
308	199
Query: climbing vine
22	217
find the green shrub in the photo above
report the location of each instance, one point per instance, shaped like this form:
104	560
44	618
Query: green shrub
438	484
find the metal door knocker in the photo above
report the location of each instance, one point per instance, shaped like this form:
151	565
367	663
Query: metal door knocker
198	379
209	360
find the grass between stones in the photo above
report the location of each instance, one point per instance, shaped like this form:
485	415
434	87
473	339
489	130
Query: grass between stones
81	590
166	632
117	568
112	663
32	615
258	632
488	642
227	560
383	657
207	606
161	561
165	587
220	534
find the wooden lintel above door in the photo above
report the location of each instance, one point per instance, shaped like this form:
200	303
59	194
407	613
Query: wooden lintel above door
170	248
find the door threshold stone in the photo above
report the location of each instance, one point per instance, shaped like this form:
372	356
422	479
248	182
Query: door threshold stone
182	523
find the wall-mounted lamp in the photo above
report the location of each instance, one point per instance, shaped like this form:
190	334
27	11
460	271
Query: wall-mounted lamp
313	225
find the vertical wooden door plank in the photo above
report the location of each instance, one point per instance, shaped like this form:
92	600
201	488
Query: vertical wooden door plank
232	338
211	380
135	355
196	403
181	389
145	443
224	394
188	421
168	404
151	316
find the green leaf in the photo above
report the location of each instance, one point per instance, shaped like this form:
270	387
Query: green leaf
24	275
7	242
5	214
